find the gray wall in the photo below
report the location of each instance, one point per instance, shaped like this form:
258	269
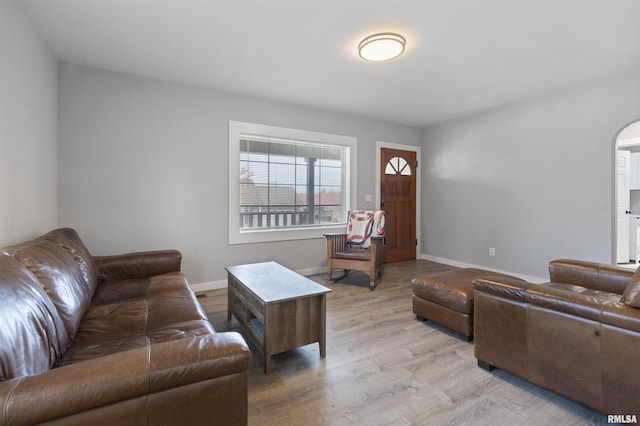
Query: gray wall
533	180
143	164
28	189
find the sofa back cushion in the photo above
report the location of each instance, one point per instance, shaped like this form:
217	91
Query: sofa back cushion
631	295
32	335
61	276
69	240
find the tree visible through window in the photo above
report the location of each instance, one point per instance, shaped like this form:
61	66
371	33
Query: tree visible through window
285	183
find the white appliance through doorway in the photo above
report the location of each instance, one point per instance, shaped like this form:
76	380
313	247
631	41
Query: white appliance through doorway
623	207
634	238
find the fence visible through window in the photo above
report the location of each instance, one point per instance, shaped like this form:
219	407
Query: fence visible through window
285	184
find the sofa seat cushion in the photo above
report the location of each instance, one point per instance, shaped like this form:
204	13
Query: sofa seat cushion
86	350
32	335
618	314
134	313
571	299
599	276
597	295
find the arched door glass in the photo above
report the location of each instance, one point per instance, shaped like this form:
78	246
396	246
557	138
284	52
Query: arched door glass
398	165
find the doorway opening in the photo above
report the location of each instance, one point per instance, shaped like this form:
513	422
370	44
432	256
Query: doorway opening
626	227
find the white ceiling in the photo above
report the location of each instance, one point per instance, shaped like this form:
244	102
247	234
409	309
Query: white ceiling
462	56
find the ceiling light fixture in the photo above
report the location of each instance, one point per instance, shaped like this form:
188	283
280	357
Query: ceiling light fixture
381	47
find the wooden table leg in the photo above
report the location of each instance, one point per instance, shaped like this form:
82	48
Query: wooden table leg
322	341
266	338
229	301
267	364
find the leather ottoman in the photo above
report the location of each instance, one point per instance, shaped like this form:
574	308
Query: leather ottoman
447	298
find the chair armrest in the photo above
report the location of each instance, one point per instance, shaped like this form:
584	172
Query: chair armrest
377	242
592	275
120	377
137	265
335	235
336	242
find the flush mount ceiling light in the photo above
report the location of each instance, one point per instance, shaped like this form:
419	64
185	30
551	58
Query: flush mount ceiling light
381	47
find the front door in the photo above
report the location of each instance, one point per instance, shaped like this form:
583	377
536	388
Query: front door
398	200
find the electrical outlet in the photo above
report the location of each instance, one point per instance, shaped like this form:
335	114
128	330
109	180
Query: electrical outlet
492	251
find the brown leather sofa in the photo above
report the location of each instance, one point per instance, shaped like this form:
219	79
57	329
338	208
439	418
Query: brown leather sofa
110	340
577	335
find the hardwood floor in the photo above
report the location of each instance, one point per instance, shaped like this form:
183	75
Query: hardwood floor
384	367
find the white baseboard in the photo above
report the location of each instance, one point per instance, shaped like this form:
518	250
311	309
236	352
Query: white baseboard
216	285
529	278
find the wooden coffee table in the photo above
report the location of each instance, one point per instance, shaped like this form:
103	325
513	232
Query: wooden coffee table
279	309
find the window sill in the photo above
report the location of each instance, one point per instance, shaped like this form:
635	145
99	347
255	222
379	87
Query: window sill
273	235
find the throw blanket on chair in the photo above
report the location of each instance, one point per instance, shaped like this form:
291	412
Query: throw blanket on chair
361	224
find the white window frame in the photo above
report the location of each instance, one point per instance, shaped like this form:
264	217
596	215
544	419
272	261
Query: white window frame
244	236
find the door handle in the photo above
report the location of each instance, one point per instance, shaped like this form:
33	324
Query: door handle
627	211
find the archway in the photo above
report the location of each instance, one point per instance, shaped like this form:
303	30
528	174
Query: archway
626	217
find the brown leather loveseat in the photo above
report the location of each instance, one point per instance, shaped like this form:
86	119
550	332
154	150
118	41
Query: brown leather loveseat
577	335
110	340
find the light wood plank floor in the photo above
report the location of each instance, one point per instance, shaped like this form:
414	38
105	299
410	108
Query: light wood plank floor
384	367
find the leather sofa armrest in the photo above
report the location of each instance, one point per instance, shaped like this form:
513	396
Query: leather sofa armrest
137	265
597	276
617	314
500	322
120	377
510	288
